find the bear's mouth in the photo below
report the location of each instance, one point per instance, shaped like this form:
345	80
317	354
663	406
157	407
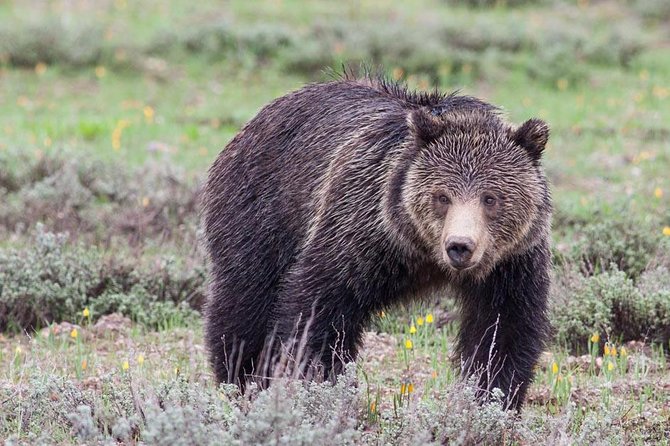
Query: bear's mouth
477	267
461	266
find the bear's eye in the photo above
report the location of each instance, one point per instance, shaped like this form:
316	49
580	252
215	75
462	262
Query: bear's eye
443	199
489	200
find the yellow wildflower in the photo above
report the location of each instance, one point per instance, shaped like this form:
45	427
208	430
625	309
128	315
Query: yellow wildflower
562	84
610	366
145	201
148	113
140	359
373	406
623	352
410	388
607	350
408	344
429	318
402	388
116	138
84	364
434	374
125	365
100	71
660	92
613	351
412	329
86	312
40	68
18	350
74	333
419	321
23	101
382	314
554	368
117	132
658	192
645	155
595	338
666	230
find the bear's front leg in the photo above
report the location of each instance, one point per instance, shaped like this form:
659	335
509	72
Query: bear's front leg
504	324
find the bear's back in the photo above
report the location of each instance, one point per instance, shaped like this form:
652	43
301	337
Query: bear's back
280	157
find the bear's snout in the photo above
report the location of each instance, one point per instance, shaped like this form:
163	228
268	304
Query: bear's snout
464	235
459	251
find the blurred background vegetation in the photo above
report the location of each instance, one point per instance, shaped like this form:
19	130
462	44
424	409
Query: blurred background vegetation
112	110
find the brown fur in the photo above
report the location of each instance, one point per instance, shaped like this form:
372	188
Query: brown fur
343	198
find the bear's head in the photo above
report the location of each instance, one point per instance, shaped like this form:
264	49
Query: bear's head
474	188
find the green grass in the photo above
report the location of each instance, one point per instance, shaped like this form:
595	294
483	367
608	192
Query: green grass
153	91
189	121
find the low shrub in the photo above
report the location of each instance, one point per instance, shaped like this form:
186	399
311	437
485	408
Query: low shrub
491	3
45	283
627	243
45	406
95	200
611	303
649	317
25	44
585	305
128	408
457	416
52	280
557	63
653	10
550	50
180	412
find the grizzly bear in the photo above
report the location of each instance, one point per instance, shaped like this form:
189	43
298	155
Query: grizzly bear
343	198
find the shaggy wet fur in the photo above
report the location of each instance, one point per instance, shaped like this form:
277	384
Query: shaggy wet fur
322	212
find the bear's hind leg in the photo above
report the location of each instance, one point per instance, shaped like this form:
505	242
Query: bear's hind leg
235	329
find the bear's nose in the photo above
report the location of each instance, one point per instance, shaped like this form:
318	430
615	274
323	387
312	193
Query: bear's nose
459	250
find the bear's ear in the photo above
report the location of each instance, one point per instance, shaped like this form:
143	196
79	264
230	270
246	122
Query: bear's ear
532	136
424	127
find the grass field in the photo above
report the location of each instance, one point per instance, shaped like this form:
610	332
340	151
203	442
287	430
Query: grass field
111	111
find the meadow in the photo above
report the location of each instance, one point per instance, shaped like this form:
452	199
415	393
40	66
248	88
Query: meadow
111	112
